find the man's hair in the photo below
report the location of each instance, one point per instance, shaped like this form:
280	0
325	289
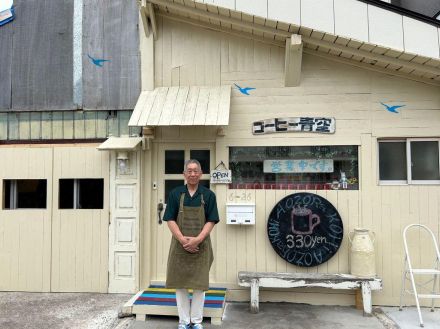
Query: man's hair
190	161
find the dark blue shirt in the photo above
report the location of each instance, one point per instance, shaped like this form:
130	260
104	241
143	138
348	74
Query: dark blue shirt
172	209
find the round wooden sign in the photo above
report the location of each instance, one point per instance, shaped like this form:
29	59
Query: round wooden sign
305	229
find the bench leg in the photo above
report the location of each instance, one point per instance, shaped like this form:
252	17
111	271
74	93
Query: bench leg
216	321
366	298
255	291
141	317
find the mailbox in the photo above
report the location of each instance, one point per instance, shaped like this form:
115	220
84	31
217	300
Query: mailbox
240	213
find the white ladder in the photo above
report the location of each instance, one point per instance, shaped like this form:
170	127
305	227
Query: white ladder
431	275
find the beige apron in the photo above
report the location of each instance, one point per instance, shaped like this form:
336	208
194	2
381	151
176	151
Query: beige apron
187	270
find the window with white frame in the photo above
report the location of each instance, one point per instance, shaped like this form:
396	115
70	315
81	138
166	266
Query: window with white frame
174	163
409	161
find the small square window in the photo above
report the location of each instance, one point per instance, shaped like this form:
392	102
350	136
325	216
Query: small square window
425	160
174	161
392	161
203	156
204	182
24	193
171	184
86	193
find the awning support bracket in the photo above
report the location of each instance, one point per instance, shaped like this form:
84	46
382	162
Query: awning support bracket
293	61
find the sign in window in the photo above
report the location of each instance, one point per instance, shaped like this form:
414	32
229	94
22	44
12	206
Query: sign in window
294	167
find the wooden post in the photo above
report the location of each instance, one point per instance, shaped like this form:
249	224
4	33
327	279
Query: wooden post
358	299
293	60
366	298
255	291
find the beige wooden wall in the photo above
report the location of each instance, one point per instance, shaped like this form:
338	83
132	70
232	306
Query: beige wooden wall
53	249
187	55
25	235
80	236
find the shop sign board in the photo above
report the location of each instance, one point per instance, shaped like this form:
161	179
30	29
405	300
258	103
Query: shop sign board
305	229
221	176
298	166
294	124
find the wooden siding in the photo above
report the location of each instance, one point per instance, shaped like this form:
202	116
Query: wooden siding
80	236
25	234
327	88
52	249
36	61
36	56
373	24
5	66
110	31
64	125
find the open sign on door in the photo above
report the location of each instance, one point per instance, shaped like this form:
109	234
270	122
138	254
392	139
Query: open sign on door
221	176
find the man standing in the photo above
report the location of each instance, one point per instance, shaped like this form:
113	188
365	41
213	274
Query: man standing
191	214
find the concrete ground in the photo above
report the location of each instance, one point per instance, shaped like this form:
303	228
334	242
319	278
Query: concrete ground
278	316
408	318
20	310
100	311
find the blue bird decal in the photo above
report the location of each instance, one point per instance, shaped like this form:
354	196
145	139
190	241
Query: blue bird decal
244	91
98	62
392	108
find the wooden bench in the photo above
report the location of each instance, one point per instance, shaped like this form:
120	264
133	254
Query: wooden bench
255	280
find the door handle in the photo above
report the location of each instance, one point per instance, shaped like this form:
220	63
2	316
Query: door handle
159	212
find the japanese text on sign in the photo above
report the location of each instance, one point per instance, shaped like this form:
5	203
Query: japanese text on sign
298	166
305	124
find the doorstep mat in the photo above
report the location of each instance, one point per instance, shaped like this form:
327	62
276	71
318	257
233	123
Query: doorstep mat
160	296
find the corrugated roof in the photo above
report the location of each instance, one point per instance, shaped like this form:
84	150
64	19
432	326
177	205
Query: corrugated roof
183	106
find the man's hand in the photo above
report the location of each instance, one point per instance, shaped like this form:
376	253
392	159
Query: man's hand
190	244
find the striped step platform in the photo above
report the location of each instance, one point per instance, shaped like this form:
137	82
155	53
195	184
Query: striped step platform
157	300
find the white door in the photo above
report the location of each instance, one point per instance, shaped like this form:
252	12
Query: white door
124	224
170	165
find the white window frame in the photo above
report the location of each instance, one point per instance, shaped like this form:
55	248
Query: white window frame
409	180
409	164
187	148
391	182
13	199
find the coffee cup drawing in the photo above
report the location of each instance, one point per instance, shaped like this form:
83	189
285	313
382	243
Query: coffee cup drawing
303	220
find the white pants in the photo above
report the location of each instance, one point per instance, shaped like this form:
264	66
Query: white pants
190	312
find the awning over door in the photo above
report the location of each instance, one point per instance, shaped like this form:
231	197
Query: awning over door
120	143
183	106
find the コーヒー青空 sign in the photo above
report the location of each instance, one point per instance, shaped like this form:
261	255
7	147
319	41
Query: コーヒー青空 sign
299	124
